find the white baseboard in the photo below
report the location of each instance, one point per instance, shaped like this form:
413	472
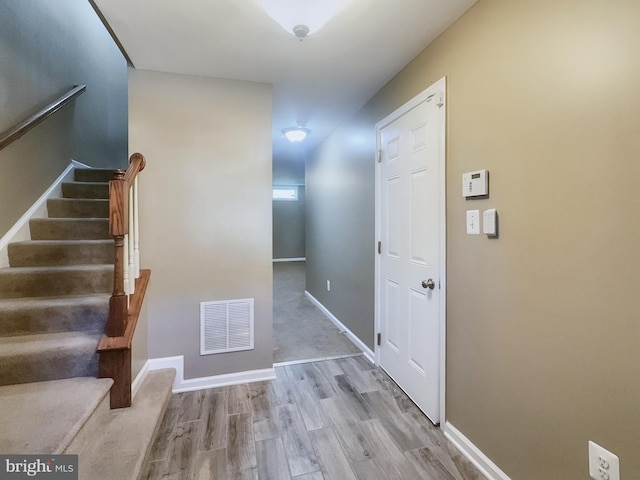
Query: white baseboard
312	360
78	164
201	383
20	230
473	453
355	340
299	259
137	382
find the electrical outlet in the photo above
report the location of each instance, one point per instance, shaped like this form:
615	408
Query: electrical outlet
603	465
328	285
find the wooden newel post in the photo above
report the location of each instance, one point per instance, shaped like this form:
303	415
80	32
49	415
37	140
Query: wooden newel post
124	309
118	225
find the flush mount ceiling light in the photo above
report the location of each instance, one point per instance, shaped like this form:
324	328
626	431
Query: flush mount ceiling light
296	134
302	17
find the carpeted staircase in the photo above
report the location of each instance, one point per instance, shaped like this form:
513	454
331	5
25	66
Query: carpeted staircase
54	297
54	301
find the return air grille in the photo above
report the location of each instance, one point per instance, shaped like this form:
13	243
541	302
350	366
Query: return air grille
226	326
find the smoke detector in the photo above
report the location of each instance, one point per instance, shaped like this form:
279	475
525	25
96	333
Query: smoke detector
301	31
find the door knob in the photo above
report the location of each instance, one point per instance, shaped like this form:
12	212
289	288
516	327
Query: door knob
430	284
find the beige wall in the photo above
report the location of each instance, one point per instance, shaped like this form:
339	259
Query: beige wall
205	209
543	325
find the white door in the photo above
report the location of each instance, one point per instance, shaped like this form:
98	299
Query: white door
410	225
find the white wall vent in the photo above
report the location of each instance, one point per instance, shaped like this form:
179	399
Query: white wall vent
226	326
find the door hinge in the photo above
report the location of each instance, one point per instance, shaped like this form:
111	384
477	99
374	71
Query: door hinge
379	156
379	247
379	339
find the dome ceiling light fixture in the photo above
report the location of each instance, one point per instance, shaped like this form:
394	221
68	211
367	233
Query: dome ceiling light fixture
296	134
303	17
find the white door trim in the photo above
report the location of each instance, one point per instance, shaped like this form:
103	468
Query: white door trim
439	90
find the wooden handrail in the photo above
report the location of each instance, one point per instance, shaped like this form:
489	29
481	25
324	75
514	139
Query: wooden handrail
27	124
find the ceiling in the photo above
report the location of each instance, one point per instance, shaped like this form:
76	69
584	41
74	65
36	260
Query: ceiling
318	83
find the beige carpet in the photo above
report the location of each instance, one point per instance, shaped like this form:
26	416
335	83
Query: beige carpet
44	417
300	330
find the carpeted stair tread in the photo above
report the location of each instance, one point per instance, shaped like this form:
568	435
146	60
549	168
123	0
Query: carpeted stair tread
31	316
93	174
37	358
21	282
69	228
60	252
78	208
85	190
126	435
44	417
54	302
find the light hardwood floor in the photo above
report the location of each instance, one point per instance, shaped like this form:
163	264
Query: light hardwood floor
338	419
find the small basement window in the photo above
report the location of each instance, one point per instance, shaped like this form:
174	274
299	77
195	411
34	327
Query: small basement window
285	193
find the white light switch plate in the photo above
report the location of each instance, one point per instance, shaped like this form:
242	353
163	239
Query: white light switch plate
473	222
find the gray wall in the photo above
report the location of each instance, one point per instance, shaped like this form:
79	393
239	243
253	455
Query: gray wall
205	210
288	169
340	228
542	323
288	227
45	48
289	217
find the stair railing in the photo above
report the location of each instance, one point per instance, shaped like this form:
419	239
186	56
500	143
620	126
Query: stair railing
123	226
129	282
32	121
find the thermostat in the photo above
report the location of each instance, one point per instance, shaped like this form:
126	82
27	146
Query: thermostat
475	184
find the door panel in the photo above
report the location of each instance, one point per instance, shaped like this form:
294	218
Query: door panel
409	222
393	311
418	235
418	331
394	203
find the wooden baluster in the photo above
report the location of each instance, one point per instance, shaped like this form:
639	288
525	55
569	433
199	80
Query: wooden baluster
118	213
131	271
136	230
125	270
